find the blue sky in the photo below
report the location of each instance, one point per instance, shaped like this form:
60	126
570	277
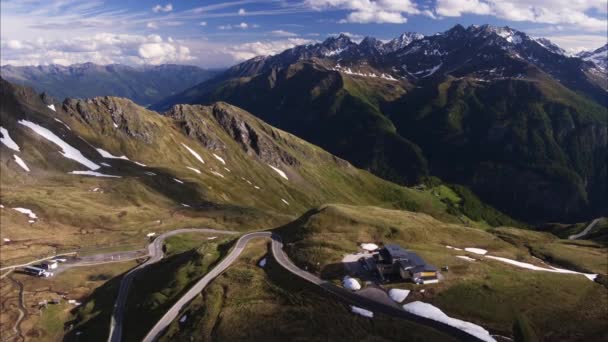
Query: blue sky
220	33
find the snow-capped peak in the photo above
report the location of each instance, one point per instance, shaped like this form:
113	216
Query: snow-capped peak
599	57
402	41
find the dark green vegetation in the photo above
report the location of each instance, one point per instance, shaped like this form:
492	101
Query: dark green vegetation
522	127
248	303
143	85
486	292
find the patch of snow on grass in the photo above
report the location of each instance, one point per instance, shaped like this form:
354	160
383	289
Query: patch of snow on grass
454	248
6	240
68	151
476	250
212	238
257	187
150	234
227	169
538	268
431	312
284	201
369	246
217	174
279	171
185	205
351	283
63	123
140	164
106	164
92	173
27	212
178	181
150	173
262	263
114	124
52	107
7	140
398	295
464	257
193	169
193	152
109	155
21	163
362	312
219	158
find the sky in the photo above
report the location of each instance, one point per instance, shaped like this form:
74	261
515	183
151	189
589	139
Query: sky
214	34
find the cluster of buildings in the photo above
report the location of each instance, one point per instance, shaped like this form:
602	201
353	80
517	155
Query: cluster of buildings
395	263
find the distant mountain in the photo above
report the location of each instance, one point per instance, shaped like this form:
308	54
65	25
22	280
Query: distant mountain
402	41
144	85
599	57
512	117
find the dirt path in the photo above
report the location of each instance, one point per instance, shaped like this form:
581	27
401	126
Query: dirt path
18	335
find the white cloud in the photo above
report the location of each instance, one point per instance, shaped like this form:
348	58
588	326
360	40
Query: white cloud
565	12
242	25
249	50
102	48
242	11
203	23
152	25
369	11
282	33
159	8
577	43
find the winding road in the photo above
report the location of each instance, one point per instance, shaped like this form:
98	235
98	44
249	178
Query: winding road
283	260
585	231
155	253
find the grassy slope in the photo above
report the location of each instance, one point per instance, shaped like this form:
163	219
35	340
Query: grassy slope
248	303
73	216
486	292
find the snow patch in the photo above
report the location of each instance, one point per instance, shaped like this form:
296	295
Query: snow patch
150	173
193	169
150	234
68	151
284	201
178	181
227	169
217	174
109	155
464	257
262	263
63	123
21	163
27	212
351	283
257	187
185	205
398	295
6	240
212	238
196	155
431	312
362	312
7	140
538	268
219	158
369	246
279	171
476	250
106	164
52	107
92	173
140	164
454	248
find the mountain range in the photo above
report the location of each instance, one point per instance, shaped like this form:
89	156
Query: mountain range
513	118
144	84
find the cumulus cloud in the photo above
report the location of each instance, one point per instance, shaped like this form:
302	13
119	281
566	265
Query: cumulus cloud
242	11
566	12
152	25
102	48
159	8
369	11
203	23
578	42
263	48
